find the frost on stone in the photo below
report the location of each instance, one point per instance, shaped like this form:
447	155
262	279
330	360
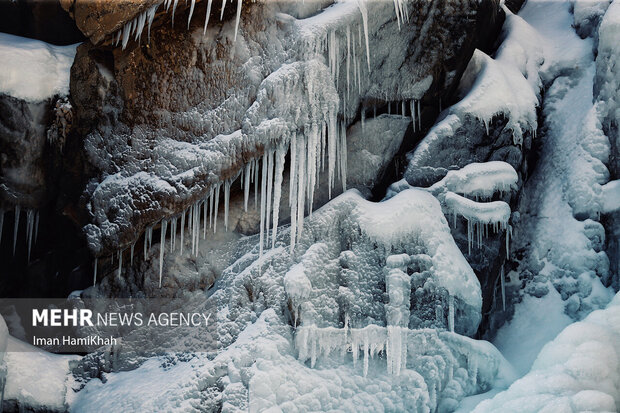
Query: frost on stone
506	86
330	64
479	180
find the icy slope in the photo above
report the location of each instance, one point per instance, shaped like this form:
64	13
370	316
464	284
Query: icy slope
578	371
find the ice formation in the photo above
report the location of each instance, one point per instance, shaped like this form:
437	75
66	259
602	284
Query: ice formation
360	297
479	180
578	371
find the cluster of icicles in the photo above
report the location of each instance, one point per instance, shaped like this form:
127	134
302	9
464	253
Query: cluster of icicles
310	153
391	340
136	26
32	227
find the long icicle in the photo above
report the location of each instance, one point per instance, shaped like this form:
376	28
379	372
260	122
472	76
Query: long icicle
293	191
164	225
191	11
226	202
120	263
217	206
277	191
263	202
182	230
238	18
270	156
95	272
204	31
246	186
223	7
205	218
16	228
301	160
29	229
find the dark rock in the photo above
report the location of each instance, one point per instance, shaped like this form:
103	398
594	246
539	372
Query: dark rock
39	19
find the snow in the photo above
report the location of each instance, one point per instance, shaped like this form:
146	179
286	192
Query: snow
579	370
36	378
33	70
479	180
521	339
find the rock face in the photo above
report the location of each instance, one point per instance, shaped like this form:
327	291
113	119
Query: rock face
183	92
99	18
42	20
23	135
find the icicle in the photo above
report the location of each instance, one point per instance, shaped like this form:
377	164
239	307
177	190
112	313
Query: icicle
301	160
145	242
412	109
223	7
277	192
204	31
217	206
174	8
263	203
502	283
120	263
196	228
402	108
246	185
332	148
451	313
348	57
151	16
1	223
269	191
150	234
226	203
131	254
95	273
189	19
190	225
343	156
419	117
36	228
164	225
173	234
256	184
182	230
204	218
139	25
313	144
29	230
364	11
211	208
397	12
363	116
16	228
293	191
126	34
237	20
